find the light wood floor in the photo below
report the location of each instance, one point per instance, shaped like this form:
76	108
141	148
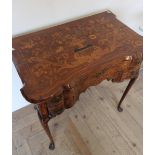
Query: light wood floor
92	127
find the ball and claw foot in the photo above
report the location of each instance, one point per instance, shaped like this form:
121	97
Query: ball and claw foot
120	109
52	146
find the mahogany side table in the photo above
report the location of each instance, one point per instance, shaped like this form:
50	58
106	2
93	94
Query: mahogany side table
58	63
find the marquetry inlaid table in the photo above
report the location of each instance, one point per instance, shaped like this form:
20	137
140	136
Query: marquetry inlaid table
58	63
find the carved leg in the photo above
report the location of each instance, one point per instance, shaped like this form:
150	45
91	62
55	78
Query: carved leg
119	108
47	130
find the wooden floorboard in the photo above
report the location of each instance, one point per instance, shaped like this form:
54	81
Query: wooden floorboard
93	126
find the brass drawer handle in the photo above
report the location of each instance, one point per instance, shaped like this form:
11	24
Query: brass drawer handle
83	48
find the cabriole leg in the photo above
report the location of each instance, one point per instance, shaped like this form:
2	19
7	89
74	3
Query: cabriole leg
43	117
119	108
47	130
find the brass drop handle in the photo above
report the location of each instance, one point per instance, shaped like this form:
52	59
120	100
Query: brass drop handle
83	48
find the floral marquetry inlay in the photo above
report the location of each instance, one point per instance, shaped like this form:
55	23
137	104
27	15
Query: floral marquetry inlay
97	47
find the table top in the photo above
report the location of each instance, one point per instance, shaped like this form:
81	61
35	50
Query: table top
48	59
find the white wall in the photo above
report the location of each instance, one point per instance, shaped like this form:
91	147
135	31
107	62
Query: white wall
32	15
